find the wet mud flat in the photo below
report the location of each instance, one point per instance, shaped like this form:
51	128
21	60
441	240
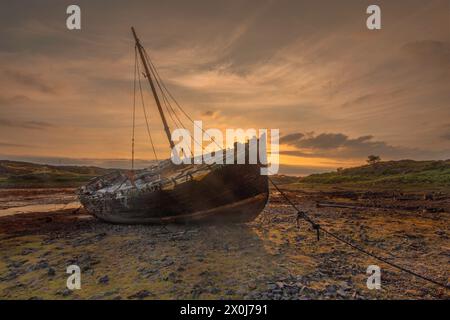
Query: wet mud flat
16	200
269	258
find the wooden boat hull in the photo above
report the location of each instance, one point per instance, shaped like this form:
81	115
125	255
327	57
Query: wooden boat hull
239	212
228	193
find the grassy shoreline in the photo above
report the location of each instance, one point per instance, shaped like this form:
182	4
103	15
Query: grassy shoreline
389	176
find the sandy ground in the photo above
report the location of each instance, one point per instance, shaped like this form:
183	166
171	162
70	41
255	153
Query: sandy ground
269	258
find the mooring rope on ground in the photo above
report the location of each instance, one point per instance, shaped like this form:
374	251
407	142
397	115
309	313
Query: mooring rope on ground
303	215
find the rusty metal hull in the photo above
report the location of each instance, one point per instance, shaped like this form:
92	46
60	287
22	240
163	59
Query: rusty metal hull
188	193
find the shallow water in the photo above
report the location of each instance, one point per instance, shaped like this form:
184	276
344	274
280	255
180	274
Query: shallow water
47	207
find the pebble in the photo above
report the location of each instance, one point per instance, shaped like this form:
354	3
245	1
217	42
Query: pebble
51	272
103	280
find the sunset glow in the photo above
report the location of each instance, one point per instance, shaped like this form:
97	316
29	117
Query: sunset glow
67	95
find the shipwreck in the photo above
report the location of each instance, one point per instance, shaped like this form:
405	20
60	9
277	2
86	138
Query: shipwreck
176	193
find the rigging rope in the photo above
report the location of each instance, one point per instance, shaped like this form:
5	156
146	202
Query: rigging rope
134	108
160	82
158	77
145	113
166	100
303	215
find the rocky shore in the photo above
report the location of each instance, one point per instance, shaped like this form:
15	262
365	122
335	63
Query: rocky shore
269	258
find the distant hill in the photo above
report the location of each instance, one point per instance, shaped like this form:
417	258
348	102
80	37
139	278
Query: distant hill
14	174
403	174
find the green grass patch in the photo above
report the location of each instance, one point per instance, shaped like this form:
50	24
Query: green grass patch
390	175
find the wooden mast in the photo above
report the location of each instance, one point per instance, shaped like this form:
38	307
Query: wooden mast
155	95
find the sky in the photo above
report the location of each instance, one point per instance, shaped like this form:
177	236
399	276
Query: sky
337	91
